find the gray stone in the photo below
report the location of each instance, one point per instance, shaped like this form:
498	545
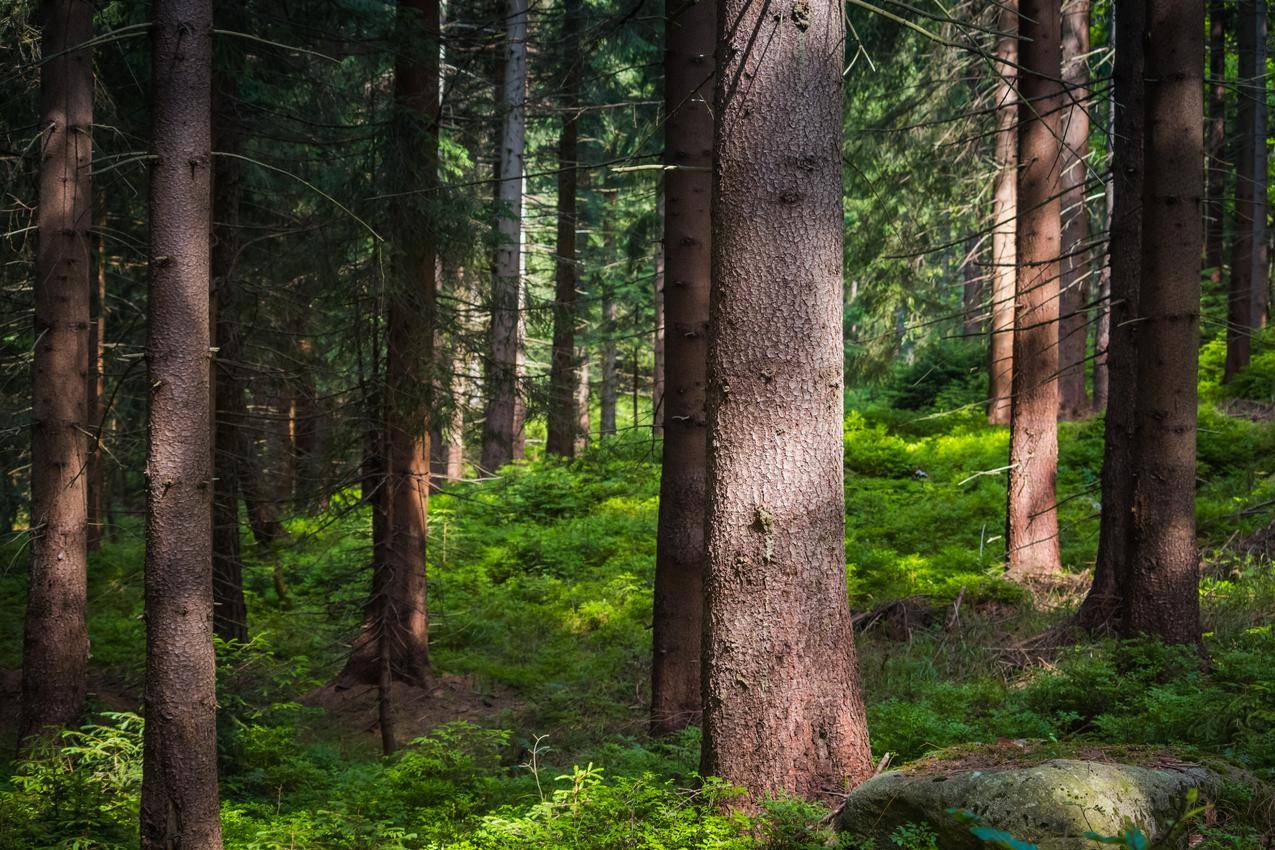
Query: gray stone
1051	804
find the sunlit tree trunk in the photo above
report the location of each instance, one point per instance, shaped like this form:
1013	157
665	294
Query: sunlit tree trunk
783	711
1004	213
1073	326
55	646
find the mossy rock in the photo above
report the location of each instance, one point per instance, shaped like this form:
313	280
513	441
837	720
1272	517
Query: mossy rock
1051	804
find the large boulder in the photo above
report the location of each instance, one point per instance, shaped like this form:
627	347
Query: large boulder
1051	804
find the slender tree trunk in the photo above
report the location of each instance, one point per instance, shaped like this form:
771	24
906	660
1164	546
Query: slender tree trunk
1102	328
1162	593
1216	143
1247	240
97	402
562	378
610	390
1073	325
657	338
582	403
1261	242
230	443
1103	606
783	710
179	806
1032	519
1004	215
690	33
55	646
502	424
396	617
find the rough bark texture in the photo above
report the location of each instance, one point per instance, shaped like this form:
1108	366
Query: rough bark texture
55	646
562	375
1215	141
179	806
1245	230
1102	607
230	446
396	624
1032	519
783	711
690	33
1004	213
1162	595
1073	325
502	423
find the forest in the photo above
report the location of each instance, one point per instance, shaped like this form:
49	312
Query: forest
662	424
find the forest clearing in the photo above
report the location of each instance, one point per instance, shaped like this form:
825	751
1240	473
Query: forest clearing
738	424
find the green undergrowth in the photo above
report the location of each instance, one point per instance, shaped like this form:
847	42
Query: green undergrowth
540	602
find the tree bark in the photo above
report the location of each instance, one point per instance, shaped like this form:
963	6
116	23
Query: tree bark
657	337
1248	251
396	617
1216	143
1162	595
1032	519
690	33
783	711
179	805
1004	215
610	390
1103	607
1073	325
562	378
502	423
582	403
55	646
230	443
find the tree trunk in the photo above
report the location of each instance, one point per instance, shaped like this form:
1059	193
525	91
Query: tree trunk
1261	247
55	646
1216	143
1103	606
1004	215
396	617
502	424
1102	327
230	443
1073	327
179	806
657	338
96	404
1162	594
690	33
562	378
783	711
608	396
582	403
1032	518
971	290
1248	232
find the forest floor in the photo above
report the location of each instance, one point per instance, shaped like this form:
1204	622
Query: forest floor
533	733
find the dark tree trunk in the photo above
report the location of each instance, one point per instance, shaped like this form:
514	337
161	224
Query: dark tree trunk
96	404
1261	245
610	390
502	421
230	444
1073	327
179	806
783	711
1032	519
396	618
1004	215
55	646
690	33
1248	241
562	378
1216	143
1162	594
1102	607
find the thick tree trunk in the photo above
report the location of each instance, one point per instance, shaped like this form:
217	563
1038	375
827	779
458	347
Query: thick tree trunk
1248	249
562	377
502	423
1073	327
96	404
55	646
1215	141
1162	594
1004	215
783	711
1103	606
230	444
690	33
1032	518
396	617
610	390
179	806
